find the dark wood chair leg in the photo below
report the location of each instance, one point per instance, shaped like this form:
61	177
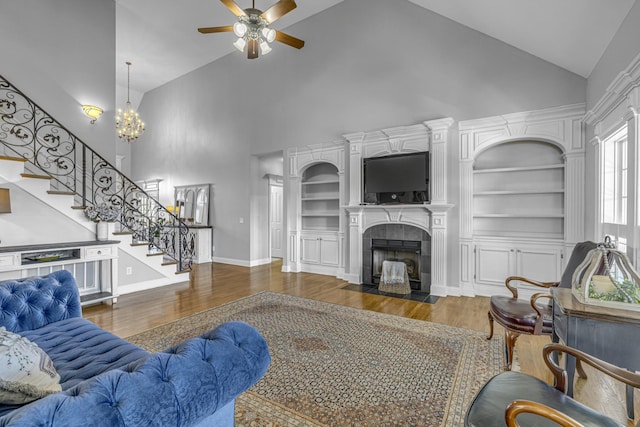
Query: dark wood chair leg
510	338
490	325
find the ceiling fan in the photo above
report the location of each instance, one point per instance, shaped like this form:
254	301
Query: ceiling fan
253	29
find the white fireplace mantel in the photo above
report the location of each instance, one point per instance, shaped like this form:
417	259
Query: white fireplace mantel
430	217
429	136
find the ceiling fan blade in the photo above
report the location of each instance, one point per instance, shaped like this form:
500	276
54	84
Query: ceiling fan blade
233	7
208	30
278	10
252	49
290	40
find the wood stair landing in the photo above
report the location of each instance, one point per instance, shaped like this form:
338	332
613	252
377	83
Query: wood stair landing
33	175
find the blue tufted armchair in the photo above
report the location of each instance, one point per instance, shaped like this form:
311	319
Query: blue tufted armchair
107	381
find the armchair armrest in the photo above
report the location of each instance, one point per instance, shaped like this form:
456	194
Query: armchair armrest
34	302
537	329
518	407
514	290
179	387
560	374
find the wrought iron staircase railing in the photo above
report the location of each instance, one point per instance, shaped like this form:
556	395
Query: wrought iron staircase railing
26	130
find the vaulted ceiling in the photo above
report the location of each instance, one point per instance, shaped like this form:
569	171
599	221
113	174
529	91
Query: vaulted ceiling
160	37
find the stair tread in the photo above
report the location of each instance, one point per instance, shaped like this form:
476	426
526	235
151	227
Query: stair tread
82	207
155	253
61	193
183	271
122	233
169	262
140	244
32	175
13	159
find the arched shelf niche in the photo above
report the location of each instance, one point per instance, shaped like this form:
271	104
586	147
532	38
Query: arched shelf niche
518	190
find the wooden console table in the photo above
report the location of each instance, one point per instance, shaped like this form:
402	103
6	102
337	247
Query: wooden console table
93	264
612	335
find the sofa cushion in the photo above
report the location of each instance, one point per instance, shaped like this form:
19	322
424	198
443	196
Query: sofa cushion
81	350
26	371
34	302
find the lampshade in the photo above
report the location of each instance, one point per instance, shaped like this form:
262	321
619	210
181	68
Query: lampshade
239	29
269	34
607	278
240	44
264	47
5	201
92	112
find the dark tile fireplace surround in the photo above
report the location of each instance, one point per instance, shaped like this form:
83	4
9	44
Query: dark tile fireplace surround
397	242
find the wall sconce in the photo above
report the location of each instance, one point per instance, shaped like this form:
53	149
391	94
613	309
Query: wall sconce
5	201
92	112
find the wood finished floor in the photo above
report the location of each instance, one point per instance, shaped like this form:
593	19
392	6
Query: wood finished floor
211	285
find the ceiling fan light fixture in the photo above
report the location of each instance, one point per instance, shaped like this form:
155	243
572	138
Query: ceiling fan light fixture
264	47
240	44
269	34
240	28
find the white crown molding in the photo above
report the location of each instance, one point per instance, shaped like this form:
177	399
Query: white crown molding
616	93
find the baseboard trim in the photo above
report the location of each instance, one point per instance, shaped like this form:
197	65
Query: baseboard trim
241	262
232	261
441	291
258	262
151	284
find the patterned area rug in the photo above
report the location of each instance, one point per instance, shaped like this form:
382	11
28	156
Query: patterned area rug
340	366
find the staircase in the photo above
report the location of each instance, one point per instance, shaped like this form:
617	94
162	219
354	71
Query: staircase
41	157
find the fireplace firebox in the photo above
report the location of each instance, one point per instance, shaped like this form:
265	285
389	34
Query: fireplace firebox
406	251
397	242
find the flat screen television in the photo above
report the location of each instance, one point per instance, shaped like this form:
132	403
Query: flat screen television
401	178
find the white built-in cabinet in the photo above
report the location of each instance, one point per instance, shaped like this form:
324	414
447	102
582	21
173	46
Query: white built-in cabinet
314	190
319	248
522	197
497	260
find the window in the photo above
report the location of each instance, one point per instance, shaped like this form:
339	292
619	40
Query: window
614	185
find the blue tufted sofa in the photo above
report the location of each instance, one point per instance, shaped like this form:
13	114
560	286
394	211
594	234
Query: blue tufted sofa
107	381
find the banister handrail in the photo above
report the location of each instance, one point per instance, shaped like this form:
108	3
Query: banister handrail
50	148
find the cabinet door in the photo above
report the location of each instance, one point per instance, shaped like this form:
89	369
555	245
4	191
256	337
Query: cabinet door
494	264
539	263
329	250
310	249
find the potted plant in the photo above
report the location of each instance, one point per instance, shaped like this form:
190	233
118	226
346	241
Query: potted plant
102	214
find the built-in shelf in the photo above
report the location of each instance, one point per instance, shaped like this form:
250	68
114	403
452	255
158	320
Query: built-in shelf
522	215
518	190
518	193
313	199
320	198
319	182
518	169
321	213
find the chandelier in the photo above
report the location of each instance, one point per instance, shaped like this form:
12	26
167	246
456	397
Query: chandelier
253	31
128	122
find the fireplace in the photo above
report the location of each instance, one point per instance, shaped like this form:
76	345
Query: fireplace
397	242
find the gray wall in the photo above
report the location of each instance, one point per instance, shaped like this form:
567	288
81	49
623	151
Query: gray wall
623	49
365	66
32	221
61	54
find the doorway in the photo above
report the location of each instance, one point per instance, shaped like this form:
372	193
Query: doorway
276	214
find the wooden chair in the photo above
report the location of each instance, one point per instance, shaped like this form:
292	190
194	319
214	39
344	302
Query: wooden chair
519	316
533	402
